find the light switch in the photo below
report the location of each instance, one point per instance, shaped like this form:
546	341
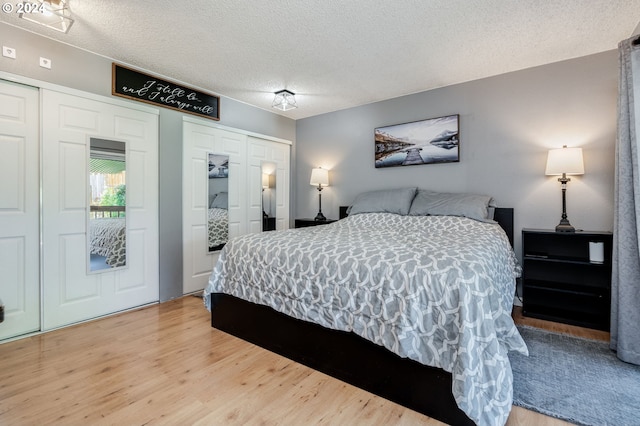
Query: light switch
45	63
8	52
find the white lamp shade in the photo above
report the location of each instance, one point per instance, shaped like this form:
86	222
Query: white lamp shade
565	160
265	181
319	177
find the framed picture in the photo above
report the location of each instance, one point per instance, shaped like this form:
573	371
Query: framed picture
435	140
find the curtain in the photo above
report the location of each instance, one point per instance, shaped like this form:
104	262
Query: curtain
625	283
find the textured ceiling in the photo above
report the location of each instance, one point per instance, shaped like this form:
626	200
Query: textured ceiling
336	54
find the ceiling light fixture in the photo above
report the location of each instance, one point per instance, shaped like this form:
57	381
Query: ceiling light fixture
54	14
284	100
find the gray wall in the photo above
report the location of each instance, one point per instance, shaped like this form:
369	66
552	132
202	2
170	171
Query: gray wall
85	71
507	125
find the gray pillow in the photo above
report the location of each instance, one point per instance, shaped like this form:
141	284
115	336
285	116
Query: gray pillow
434	203
211	198
221	201
396	201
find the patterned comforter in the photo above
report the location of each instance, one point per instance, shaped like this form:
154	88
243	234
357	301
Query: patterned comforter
107	238
218	221
436	289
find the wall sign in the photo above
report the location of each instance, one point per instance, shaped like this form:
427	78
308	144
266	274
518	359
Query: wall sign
132	84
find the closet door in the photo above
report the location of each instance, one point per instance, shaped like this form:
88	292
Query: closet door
200	140
271	158
71	292
19	215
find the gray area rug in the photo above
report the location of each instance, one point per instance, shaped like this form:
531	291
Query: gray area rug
577	380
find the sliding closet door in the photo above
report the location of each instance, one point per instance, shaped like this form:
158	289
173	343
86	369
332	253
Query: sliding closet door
271	158
200	140
72	293
19	215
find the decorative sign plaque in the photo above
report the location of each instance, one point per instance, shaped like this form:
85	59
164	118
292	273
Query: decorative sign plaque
131	84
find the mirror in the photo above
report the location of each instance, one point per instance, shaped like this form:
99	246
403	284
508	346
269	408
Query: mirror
268	196
218	204
107	207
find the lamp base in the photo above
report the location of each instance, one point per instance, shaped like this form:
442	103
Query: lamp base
565	226
319	217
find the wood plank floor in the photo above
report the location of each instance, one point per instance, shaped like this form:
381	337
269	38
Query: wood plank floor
164	364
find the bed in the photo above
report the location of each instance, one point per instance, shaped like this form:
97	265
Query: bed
400	298
107	237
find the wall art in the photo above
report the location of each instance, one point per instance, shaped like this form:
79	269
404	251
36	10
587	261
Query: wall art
435	140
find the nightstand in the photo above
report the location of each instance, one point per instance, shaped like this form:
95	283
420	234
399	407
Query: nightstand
560	283
268	223
303	223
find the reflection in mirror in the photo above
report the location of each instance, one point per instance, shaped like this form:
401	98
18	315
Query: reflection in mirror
107	211
218	190
268	196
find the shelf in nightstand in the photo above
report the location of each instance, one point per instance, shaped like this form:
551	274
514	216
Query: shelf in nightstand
559	283
562	260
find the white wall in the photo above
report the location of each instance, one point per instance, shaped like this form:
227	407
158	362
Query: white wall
507	124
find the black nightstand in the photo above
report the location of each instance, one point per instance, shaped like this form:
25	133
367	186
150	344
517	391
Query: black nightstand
268	223
560	283
303	223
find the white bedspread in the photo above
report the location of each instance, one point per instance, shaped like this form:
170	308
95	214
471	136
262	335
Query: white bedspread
436	289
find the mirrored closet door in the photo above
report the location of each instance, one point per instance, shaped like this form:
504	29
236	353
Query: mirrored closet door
212	193
81	137
268	164
247	174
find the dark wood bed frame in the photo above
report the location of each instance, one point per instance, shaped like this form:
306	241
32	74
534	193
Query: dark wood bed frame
346	356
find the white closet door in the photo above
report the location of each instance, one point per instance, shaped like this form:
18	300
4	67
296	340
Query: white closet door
70	293
260	151
257	152
280	155
19	215
198	141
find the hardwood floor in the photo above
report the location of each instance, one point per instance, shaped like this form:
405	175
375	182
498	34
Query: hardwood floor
585	333
165	364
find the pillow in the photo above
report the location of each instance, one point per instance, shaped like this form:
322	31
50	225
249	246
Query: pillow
221	201
434	203
383	201
211	198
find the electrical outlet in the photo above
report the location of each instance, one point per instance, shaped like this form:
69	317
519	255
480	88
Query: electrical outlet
8	52
45	63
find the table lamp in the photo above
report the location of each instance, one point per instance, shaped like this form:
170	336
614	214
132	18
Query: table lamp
320	178
565	161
